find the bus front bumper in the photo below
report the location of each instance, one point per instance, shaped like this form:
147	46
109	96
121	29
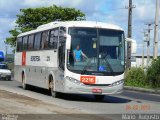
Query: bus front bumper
74	88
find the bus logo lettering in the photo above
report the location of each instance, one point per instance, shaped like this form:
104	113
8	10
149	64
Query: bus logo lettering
48	58
35	58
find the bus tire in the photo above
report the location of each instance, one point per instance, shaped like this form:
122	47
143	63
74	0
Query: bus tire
51	87
8	78
24	85
99	97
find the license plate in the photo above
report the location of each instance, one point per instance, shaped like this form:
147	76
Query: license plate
96	90
88	79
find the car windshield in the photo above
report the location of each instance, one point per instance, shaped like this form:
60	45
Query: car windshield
3	67
97	51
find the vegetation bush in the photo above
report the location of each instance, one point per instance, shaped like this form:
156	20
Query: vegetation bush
136	77
153	74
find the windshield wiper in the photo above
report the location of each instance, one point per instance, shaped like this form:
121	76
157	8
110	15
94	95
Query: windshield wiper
109	65
85	67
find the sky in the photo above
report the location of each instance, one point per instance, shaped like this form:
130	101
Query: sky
108	11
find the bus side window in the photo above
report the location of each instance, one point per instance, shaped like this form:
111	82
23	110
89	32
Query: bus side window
53	41
61	54
45	38
37	41
25	41
62	31
30	42
19	44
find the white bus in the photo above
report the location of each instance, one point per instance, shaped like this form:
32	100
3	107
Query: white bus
76	57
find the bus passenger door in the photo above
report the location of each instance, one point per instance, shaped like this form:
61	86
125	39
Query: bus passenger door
61	61
61	54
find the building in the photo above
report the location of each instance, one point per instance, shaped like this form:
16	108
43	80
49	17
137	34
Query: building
137	61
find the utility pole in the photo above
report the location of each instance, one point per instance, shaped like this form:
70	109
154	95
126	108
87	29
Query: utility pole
148	43
155	54
143	56
144	40
129	33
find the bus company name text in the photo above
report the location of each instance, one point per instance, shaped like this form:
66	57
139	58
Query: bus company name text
35	58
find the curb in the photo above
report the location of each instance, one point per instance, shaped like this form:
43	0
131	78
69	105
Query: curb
142	90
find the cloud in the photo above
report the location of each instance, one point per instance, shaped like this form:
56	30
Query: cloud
7	23
9	8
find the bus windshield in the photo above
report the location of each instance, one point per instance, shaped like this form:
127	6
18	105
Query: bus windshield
96	51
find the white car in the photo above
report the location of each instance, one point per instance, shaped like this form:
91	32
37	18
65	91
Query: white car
5	73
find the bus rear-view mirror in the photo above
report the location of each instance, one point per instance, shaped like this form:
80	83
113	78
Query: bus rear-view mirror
68	42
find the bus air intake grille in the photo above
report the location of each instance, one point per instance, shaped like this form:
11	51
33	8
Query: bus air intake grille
97	84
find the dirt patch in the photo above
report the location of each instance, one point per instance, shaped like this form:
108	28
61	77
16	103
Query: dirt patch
26	108
31	102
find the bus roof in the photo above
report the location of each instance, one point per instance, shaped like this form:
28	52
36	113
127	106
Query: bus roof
90	24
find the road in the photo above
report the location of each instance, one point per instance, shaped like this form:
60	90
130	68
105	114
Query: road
127	102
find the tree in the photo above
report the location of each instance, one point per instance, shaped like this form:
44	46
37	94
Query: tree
136	77
12	40
31	18
153	73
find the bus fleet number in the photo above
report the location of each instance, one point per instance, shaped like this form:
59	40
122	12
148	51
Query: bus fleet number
88	79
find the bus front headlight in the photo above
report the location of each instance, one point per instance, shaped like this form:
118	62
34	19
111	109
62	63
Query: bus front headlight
73	80
116	83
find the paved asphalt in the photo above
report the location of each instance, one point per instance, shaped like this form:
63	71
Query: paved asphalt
113	99
112	104
142	96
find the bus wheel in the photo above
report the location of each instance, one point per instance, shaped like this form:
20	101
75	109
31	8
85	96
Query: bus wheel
51	86
99	97
24	85
8	78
